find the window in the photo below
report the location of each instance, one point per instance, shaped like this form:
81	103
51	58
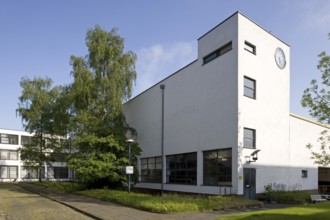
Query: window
304	174
25	139
8	155
217	167
215	54
181	168
8	172
249	138
8	139
250	47
61	173
151	170
249	87
29	173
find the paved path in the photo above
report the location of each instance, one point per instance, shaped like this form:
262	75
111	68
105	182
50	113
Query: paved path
98	209
19	204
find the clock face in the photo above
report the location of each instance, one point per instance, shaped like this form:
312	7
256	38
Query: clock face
280	58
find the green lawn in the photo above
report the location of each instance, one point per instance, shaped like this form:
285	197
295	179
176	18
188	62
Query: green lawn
320	211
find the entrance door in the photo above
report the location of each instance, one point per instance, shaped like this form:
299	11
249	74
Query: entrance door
249	175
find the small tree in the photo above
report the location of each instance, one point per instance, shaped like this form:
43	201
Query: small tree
102	82
317	99
36	107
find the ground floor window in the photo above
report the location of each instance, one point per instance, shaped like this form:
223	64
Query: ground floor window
151	170
57	172
8	172
218	167
181	168
29	173
61	172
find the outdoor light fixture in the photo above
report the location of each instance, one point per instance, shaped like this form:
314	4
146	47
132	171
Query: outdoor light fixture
253	157
129	168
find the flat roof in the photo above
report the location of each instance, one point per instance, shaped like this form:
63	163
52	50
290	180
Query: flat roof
309	120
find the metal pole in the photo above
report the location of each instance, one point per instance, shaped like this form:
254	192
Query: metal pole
129	163
162	87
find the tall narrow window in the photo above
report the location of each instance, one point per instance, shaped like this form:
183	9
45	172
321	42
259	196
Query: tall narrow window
249	87
249	138
250	47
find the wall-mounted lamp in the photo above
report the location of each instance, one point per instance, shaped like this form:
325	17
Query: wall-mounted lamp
253	157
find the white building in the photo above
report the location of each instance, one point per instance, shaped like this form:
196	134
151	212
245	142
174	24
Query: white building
12	168
212	119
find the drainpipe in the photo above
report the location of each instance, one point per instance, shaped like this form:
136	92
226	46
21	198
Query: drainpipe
162	87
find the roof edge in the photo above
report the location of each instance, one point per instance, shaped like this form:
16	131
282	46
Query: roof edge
309	120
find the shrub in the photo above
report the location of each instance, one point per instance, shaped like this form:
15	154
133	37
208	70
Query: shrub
280	193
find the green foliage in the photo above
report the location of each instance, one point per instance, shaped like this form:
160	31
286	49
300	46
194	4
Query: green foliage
68	187
317	99
37	109
280	193
170	203
102	82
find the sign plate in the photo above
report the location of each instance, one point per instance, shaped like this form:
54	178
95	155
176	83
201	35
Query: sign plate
129	169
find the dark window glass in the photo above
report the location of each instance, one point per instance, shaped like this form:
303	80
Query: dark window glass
151	170
215	54
249	138
61	173
249	87
218	167
304	173
181	168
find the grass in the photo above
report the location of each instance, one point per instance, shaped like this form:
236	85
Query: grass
320	211
288	197
168	203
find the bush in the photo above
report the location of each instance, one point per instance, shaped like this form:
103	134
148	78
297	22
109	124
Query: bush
280	193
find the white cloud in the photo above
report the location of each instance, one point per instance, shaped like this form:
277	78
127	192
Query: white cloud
159	61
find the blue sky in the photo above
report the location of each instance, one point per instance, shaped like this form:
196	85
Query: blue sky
38	37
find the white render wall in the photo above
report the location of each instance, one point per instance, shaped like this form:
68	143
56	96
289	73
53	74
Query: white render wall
19	163
268	114
200	107
302	132
205	109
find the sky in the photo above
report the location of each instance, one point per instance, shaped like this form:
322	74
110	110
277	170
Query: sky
37	38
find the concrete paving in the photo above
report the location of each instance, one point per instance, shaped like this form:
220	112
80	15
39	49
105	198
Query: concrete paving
97	209
19	204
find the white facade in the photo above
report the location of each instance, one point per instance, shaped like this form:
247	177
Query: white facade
206	108
12	168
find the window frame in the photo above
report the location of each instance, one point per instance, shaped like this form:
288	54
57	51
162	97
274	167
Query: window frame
216	173
250	47
151	174
304	174
254	90
12	139
180	169
8	171
218	52
253	139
